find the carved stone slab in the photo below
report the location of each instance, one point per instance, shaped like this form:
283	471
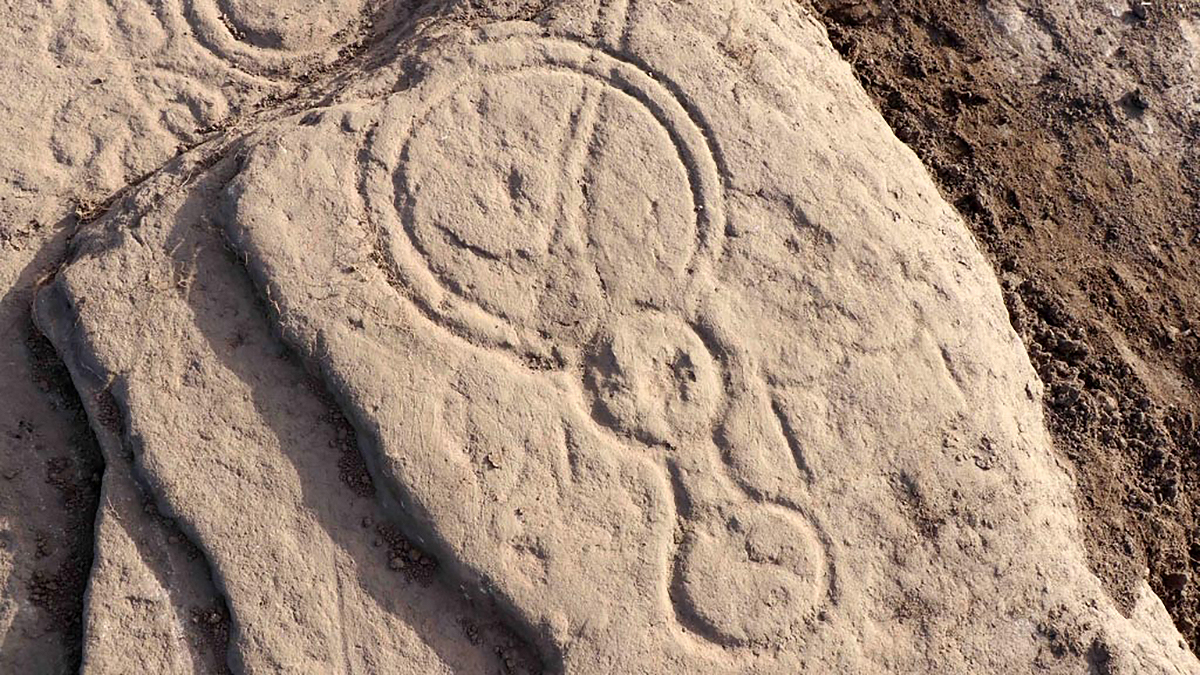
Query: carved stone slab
681	356
654	333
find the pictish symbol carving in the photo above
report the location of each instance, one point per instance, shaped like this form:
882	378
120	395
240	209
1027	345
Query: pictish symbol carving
589	248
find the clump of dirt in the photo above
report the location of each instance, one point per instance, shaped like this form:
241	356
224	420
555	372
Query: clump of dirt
212	625
514	655
1066	137
352	468
403	555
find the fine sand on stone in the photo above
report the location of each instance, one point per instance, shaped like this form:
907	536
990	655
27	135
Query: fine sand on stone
646	326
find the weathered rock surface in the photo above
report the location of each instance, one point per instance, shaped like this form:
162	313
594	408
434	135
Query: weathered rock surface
96	96
238	446
647	328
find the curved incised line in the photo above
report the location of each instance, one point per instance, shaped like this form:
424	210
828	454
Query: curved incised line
212	30
573	195
657	95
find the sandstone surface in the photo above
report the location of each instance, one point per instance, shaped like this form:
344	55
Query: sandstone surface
623	339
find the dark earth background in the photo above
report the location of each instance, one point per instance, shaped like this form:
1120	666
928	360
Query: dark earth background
1067	134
